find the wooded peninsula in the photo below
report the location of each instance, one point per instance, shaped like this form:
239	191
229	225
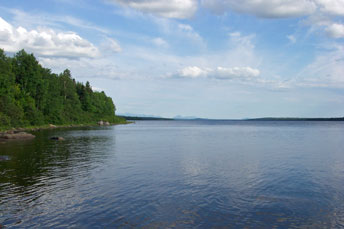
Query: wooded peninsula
31	95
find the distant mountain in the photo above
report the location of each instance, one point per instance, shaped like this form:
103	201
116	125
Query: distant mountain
138	115
131	116
185	117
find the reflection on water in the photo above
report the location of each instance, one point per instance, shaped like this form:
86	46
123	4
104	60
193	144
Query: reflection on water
177	174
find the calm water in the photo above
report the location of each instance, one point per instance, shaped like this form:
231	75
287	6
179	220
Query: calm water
177	174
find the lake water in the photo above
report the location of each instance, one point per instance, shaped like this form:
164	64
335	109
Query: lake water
159	174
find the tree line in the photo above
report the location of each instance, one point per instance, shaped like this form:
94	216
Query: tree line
31	95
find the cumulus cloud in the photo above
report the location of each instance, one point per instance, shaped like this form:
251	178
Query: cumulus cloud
320	14
335	30
45	42
263	8
240	73
193	72
166	8
334	7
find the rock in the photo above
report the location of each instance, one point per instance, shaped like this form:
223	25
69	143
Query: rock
20	135
4	158
57	138
100	123
106	123
18	130
52	126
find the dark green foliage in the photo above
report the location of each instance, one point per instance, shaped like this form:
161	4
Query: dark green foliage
4	120
32	95
6	75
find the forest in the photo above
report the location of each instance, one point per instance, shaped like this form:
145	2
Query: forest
31	95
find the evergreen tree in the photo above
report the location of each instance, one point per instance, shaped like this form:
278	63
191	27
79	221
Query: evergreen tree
32	95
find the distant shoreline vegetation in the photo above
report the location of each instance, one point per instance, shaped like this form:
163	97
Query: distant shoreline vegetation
296	119
133	118
31	95
252	119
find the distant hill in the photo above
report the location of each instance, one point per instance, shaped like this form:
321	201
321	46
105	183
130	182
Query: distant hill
138	115
143	118
295	119
185	117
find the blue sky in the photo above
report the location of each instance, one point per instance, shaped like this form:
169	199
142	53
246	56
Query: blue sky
204	58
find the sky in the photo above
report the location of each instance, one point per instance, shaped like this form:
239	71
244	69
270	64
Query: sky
221	59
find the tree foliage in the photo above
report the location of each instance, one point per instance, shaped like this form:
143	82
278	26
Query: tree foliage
32	95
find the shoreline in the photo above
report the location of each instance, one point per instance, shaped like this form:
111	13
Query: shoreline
13	130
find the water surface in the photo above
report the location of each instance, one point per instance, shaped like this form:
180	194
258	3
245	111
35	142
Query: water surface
161	174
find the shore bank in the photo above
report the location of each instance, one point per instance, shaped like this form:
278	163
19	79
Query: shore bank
24	132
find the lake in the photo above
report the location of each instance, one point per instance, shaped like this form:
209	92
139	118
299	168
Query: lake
158	174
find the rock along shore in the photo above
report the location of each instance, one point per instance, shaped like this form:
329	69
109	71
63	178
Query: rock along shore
16	135
21	133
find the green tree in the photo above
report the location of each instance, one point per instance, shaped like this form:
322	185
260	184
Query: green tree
32	95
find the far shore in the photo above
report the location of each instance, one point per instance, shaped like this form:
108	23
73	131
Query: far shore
129	120
138	118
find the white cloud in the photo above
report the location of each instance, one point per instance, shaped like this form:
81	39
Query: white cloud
112	45
102	67
240	52
238	39
158	41
321	14
192	72
334	7
260	8
190	33
33	20
185	27
326	70
335	30
291	38
180	33
45	42
263	8
165	8
240	73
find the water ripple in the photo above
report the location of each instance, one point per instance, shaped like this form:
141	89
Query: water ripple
177	174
